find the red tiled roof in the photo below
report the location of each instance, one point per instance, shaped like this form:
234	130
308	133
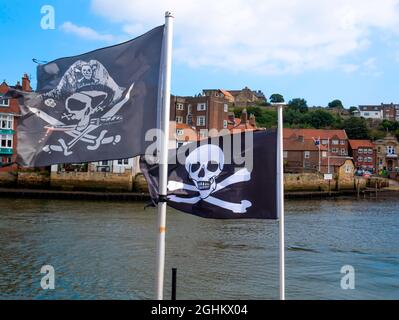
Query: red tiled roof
356	144
226	93
315	133
293	144
189	133
238	126
334	161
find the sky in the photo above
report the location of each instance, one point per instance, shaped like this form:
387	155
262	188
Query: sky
318	50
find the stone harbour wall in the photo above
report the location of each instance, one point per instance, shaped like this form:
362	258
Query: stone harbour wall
104	181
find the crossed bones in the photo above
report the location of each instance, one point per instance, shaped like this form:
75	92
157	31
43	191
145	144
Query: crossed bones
241	175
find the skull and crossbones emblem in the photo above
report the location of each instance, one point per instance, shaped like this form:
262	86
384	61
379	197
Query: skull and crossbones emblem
204	165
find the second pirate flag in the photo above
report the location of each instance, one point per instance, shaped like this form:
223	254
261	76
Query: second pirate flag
95	106
210	179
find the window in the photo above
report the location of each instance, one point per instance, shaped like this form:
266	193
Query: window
225	107
335	142
370	151
369	159
360	159
342	142
324	141
201	106
379	149
224	124
343	152
179	119
6	122
104	163
307	154
390	150
285	154
360	151
366	114
6	141
179	132
123	161
348	168
201	121
324	154
7	160
4	102
180	106
334	150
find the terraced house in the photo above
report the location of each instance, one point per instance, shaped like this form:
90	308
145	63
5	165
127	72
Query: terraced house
9	113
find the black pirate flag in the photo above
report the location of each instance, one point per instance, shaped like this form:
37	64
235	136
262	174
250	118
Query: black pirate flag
232	176
96	106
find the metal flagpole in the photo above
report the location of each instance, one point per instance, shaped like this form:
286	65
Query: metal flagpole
166	69
319	155
280	198
328	155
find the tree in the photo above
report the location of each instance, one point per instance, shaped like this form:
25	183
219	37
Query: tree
298	104
352	109
336	104
356	128
387	125
276	98
319	119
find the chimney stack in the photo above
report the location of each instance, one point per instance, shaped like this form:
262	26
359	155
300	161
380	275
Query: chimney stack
26	83
252	120
244	116
231	117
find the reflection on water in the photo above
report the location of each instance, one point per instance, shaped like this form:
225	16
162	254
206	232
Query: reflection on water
106	250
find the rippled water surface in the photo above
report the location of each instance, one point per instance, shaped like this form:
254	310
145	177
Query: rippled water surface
106	250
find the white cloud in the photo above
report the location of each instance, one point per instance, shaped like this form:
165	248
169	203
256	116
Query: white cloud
85	32
260	36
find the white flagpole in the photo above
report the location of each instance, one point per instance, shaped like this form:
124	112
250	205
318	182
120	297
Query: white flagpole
319	155
166	69
280	198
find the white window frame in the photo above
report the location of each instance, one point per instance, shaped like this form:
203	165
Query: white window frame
360	151
179	119
201	121
4	102
179	106
201	106
306	154
8	121
7	138
179	132
335	142
342	142
360	159
225	124
285	154
225	107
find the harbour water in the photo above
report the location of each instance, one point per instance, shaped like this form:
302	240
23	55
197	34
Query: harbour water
106	250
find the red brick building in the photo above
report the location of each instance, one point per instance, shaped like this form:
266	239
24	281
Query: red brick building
364	154
201	113
9	113
302	154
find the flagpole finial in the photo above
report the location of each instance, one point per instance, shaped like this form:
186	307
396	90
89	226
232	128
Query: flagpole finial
168	14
